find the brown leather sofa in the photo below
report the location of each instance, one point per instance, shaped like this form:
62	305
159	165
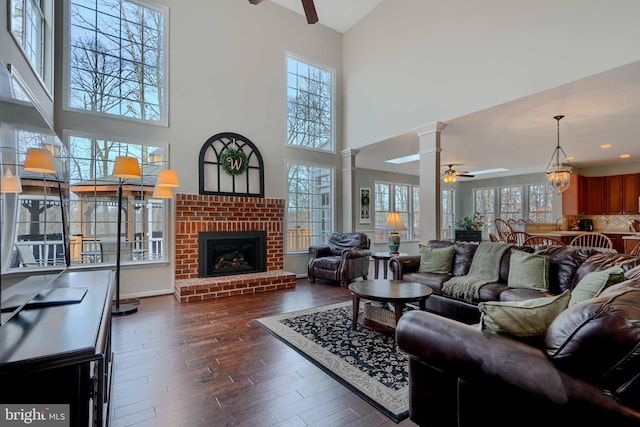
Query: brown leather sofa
567	266
586	373
343	259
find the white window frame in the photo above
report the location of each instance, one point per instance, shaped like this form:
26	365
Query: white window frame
447	225
66	95
545	215
410	217
150	243
501	202
332	71
297	242
42	18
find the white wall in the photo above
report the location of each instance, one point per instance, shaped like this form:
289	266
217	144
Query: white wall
227	74
411	62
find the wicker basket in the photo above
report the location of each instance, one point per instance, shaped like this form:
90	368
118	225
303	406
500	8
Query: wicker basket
379	315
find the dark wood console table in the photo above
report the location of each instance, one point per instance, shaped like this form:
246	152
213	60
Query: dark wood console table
61	354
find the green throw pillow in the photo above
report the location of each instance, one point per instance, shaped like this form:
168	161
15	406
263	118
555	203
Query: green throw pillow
522	319
595	282
436	260
529	271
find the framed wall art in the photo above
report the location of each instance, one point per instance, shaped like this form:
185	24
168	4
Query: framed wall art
365	198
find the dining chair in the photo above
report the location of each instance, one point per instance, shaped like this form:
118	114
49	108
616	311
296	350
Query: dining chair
493	238
502	228
542	240
636	250
517	237
592	240
513	223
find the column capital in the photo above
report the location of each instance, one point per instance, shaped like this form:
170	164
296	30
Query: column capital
429	128
349	152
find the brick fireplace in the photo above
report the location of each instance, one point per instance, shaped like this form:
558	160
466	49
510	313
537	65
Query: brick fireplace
207	213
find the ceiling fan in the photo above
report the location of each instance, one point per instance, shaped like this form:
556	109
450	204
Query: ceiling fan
450	175
309	10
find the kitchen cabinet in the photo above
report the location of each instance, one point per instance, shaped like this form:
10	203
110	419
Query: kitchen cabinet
595	195
602	195
614	194
574	199
631	193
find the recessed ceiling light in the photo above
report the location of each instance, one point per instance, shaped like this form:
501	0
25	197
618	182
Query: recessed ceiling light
605	146
405	159
625	156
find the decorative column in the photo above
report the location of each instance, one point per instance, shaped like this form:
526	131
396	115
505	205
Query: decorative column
430	193
350	199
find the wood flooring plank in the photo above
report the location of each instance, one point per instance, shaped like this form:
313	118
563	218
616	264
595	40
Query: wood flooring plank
208	363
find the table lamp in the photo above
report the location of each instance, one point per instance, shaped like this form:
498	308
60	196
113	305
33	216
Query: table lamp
394	222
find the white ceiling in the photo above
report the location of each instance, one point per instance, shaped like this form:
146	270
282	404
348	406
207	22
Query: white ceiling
520	135
339	15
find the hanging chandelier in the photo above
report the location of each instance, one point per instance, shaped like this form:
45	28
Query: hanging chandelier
559	175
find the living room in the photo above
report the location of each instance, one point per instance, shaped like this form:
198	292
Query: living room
226	63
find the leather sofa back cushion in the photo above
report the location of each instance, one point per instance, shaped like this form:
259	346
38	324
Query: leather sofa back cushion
598	341
563	264
462	258
602	261
341	241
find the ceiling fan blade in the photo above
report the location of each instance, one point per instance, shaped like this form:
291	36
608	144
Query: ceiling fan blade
310	11
466	175
254	1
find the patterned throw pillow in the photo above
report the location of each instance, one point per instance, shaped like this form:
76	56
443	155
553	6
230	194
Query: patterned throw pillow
436	260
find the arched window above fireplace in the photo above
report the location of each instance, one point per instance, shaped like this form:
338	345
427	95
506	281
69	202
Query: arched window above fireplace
231	165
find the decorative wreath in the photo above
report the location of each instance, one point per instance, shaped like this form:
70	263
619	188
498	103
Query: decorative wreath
234	162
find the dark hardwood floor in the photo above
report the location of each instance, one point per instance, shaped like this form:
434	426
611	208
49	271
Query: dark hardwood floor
209	364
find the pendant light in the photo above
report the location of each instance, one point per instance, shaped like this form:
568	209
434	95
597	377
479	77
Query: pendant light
559	175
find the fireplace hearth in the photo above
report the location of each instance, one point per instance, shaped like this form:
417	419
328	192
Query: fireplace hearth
226	253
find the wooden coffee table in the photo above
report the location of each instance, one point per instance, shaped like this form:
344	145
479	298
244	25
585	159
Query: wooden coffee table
396	292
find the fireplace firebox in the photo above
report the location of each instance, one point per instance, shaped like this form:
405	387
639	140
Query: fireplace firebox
225	253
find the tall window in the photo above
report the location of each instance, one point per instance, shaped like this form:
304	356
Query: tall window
117	59
415	226
540	203
310	204
396	197
309	105
448	214
511	203
484	203
93	207
32	27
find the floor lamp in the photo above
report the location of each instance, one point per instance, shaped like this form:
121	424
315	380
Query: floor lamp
41	160
124	167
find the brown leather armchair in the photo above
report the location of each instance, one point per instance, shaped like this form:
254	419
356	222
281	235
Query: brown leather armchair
345	258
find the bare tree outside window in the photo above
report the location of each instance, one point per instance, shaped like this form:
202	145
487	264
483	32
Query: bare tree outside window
117	60
309	106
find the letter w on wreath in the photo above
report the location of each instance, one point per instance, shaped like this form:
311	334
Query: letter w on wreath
231	165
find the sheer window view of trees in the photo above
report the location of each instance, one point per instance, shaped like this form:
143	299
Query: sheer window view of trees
117	59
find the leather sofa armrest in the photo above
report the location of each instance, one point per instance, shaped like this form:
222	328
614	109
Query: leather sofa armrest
497	364
319	251
403	264
355	253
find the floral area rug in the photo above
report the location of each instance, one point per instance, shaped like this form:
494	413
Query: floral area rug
369	363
